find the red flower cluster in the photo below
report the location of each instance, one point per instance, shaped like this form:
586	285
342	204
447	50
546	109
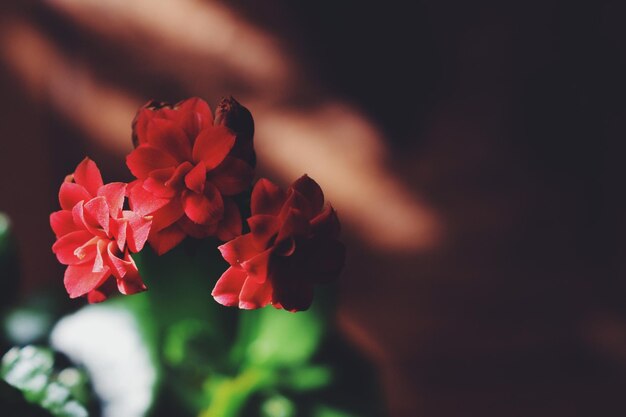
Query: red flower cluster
187	169
95	235
292	245
189	166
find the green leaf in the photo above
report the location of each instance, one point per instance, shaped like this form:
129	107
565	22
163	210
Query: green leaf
30	370
193	345
307	378
228	396
276	338
326	411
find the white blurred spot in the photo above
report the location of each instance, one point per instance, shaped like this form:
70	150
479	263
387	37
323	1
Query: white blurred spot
26	326
108	343
69	377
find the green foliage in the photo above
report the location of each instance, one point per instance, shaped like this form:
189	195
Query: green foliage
30	370
308	378
290	364
260	363
212	361
274	338
326	411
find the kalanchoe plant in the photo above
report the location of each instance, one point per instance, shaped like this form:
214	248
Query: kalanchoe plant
189	166
95	235
292	245
194	172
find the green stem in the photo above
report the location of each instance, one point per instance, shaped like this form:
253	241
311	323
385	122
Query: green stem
230	396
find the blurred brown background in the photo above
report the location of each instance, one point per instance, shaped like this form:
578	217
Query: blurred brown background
473	150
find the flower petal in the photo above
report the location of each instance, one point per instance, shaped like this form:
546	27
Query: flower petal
255	294
151	110
88	223
291	292
166	136
296	200
263	228
65	247
195	230
131	283
142	201
101	255
71	194
145	159
232	176
88	175
119	230
97	213
113	193
326	223
80	279
228	287
267	198
168	214
118	266
296	300
163	241
238	250
62	223
295	224
196	178
163	175
95	296
311	191
257	267
193	115
204	208
230	226
177	180
157	187
137	231
286	247
212	145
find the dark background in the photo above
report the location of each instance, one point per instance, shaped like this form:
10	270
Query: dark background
506	120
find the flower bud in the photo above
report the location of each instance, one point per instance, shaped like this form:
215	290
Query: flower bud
238	119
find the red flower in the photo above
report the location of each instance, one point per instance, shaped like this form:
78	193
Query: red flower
292	246
187	169
95	235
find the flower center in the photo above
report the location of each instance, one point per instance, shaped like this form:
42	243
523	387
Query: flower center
81	251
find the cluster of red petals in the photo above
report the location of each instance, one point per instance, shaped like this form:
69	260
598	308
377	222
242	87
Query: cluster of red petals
291	247
95	235
188	167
